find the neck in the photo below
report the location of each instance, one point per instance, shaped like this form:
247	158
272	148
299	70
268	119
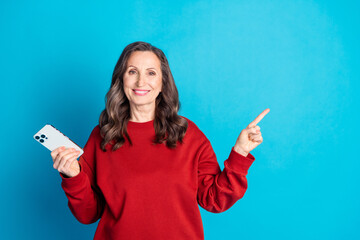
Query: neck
142	113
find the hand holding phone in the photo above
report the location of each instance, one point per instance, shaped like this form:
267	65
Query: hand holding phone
61	147
65	161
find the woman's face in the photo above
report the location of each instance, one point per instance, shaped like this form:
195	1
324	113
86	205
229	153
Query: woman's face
142	78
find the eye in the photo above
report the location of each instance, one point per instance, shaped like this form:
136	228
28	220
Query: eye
152	73
132	72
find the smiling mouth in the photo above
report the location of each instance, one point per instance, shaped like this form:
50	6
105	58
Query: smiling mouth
141	92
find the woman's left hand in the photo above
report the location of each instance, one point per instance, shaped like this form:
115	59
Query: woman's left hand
250	137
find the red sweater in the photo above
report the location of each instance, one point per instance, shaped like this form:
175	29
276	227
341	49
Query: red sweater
148	191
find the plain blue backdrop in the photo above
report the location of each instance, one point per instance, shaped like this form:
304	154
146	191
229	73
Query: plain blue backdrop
230	60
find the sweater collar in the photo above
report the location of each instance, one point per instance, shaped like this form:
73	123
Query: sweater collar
142	125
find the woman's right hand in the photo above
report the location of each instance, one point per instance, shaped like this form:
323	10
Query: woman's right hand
65	161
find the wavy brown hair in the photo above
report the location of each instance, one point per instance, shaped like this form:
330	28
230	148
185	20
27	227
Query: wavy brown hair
169	126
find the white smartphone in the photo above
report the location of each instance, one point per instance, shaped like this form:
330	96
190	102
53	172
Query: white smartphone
51	138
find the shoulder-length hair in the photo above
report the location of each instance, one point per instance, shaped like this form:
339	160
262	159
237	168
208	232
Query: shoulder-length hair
169	126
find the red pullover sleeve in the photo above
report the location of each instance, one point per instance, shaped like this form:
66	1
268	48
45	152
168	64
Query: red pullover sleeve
85	199
219	190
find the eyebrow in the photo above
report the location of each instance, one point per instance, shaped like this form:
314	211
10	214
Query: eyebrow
136	67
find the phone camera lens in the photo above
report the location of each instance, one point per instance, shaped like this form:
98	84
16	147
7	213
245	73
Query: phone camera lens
43	135
41	140
37	137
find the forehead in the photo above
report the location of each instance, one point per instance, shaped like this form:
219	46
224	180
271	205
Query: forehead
144	59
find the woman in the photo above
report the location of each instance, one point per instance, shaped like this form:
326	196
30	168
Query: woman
145	169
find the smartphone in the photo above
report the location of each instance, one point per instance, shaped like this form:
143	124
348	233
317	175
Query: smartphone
51	138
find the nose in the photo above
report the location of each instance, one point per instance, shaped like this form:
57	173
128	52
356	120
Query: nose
140	80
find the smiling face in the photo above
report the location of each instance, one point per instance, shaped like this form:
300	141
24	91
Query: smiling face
142	79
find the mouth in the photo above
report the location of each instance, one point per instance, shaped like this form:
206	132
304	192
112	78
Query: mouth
140	92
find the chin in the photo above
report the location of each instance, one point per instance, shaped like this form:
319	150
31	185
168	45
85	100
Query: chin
141	103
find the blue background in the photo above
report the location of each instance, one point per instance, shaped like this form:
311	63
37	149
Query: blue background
230	60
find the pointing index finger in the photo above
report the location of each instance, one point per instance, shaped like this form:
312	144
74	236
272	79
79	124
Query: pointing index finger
258	118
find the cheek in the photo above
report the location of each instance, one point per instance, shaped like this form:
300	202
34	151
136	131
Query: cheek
158	84
127	81
127	92
127	86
